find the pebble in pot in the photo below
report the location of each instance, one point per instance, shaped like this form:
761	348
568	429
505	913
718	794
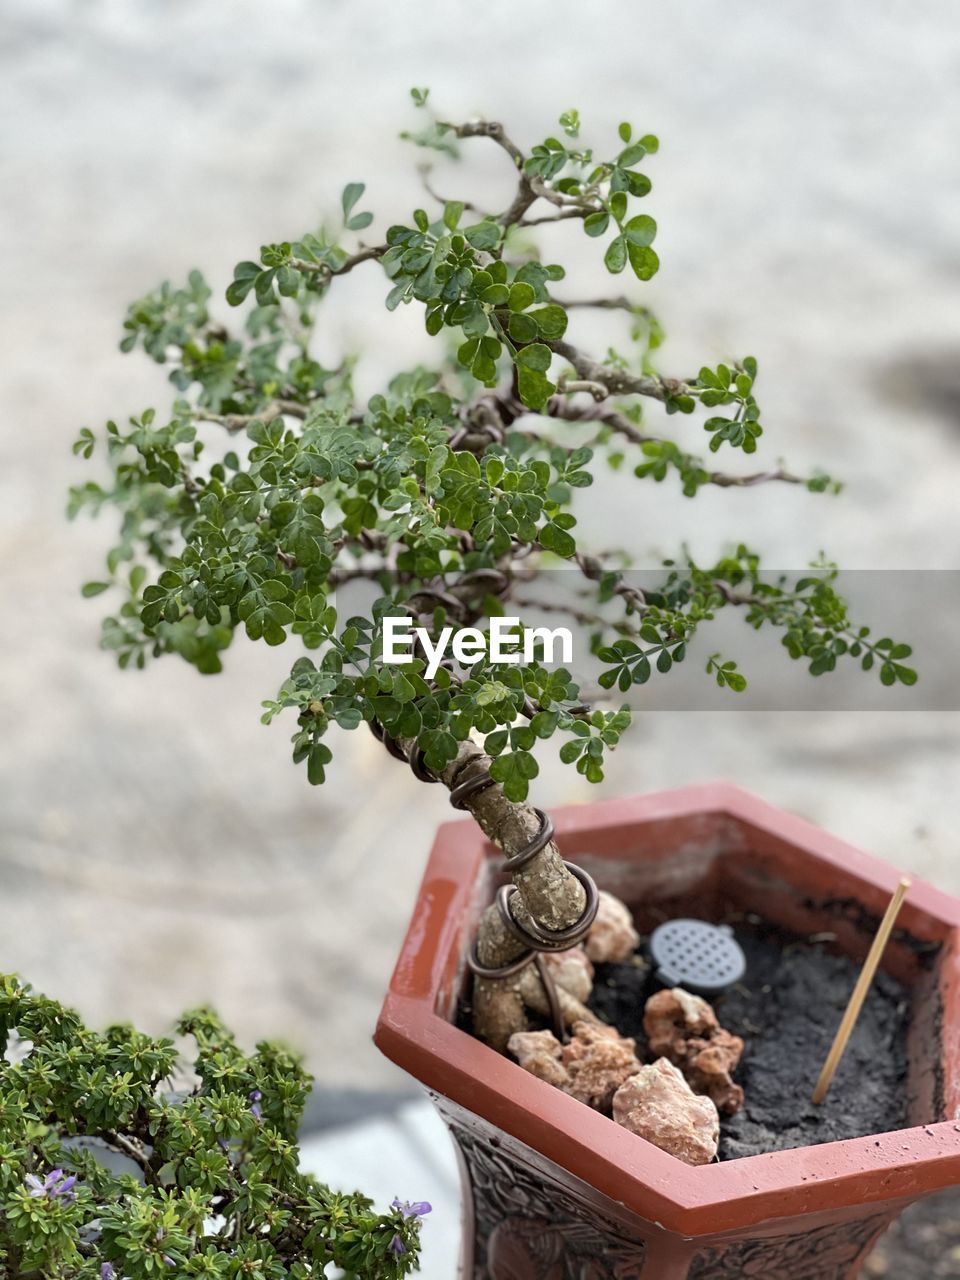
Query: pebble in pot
612	938
659	1105
684	1028
591	1067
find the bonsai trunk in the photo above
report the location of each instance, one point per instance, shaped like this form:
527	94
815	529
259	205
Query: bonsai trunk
547	894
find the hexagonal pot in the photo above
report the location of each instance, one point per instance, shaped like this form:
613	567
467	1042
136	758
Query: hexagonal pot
554	1190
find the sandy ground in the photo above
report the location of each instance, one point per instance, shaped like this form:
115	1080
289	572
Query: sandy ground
156	847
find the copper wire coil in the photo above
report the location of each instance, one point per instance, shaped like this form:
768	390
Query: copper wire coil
536	940
462	792
536	936
517	861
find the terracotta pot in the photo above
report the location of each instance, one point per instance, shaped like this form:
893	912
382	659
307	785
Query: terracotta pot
557	1191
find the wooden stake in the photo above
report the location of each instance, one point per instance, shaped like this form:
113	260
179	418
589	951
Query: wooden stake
855	1004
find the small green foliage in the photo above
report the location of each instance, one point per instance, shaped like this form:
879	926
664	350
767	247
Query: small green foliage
211	1184
726	674
726	386
450	489
570	122
167	319
353	221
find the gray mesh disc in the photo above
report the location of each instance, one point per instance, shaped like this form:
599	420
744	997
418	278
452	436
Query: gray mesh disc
701	957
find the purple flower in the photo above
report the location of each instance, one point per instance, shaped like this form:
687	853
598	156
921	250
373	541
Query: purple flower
255	1109
419	1208
107	1272
397	1246
54	1184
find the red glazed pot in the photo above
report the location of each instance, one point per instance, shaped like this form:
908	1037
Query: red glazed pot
554	1190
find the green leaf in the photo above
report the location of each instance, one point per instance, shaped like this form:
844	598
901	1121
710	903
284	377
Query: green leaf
570	122
263	287
494	469
238	290
90	589
351	194
288	282
318	756
644	262
523	328
631	155
537	356
535	389
551	321
544	723
496	295
641	230
452	213
484	235
467	352
615	259
522	295
397	295
553	538
595	224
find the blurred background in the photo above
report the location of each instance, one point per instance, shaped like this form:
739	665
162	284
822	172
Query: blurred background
157	847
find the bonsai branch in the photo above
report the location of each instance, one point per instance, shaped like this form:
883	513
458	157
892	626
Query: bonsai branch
619	303
619	382
235	422
578	211
529	190
486	129
510	408
133	1150
324	268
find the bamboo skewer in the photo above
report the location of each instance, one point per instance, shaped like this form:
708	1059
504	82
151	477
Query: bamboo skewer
855	1004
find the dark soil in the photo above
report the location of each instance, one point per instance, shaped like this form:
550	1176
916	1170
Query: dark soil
787	1010
619	993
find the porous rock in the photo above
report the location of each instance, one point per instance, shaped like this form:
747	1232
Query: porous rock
598	1060
656	1103
591	1067
572	971
684	1028
539	1053
612	938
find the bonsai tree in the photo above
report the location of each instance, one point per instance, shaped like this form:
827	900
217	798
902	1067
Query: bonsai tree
207	1183
264	487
